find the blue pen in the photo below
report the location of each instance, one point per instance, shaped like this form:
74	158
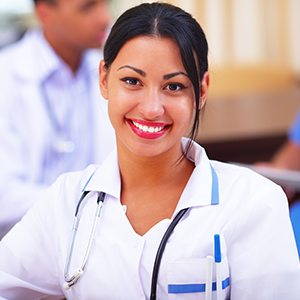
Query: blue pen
218	259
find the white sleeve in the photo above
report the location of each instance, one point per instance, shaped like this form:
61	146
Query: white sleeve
29	254
17	191
271	274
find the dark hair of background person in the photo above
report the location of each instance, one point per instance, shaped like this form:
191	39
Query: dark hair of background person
165	21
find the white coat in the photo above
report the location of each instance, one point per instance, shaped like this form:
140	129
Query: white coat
29	70
259	255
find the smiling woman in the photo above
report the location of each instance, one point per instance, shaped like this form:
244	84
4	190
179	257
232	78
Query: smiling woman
151	98
167	209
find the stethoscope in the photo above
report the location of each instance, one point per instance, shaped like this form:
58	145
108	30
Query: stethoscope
70	281
61	144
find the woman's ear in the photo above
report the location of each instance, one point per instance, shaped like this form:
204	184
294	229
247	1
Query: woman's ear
103	72
204	90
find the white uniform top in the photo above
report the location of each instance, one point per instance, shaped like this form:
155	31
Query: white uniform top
40	96
259	255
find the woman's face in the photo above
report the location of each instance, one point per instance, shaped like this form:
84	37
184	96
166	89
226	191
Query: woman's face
151	98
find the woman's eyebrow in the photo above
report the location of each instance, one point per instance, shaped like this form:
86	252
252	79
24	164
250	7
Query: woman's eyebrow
142	73
169	76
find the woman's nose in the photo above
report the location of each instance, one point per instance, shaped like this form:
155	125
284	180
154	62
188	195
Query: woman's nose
151	106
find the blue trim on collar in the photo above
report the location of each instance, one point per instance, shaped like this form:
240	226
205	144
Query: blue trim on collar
88	181
214	187
194	288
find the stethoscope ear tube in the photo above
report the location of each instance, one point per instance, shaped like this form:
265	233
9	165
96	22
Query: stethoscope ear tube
160	251
84	194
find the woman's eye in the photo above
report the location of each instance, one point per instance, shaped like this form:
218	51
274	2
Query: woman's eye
174	87
131	81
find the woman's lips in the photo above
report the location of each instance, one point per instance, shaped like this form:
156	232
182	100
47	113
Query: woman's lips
148	130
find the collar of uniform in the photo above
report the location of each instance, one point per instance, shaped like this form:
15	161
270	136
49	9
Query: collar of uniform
107	177
39	60
49	62
42	61
90	62
199	190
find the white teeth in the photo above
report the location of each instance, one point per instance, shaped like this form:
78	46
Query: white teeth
146	128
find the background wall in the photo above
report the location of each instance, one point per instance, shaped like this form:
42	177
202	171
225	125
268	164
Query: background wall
245	32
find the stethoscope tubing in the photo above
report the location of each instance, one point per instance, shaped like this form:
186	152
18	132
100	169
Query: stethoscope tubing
72	241
160	251
101	196
72	280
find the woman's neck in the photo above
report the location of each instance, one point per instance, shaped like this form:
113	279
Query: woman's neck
151	187
152	171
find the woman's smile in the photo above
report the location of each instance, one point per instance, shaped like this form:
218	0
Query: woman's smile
148	130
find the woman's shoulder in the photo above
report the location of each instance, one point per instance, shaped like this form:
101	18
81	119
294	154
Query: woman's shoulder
63	195
231	172
243	183
76	180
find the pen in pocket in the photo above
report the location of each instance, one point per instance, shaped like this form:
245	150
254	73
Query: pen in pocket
208	284
218	259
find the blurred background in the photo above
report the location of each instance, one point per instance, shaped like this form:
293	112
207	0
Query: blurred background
254	56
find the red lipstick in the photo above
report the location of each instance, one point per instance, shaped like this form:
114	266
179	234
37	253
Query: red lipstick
148	130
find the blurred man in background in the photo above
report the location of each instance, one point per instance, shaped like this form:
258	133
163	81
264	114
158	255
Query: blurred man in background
52	119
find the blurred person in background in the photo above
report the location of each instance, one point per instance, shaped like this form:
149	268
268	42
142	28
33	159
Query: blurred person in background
52	116
288	157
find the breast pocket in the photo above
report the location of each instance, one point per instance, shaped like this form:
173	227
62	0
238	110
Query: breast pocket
187	279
